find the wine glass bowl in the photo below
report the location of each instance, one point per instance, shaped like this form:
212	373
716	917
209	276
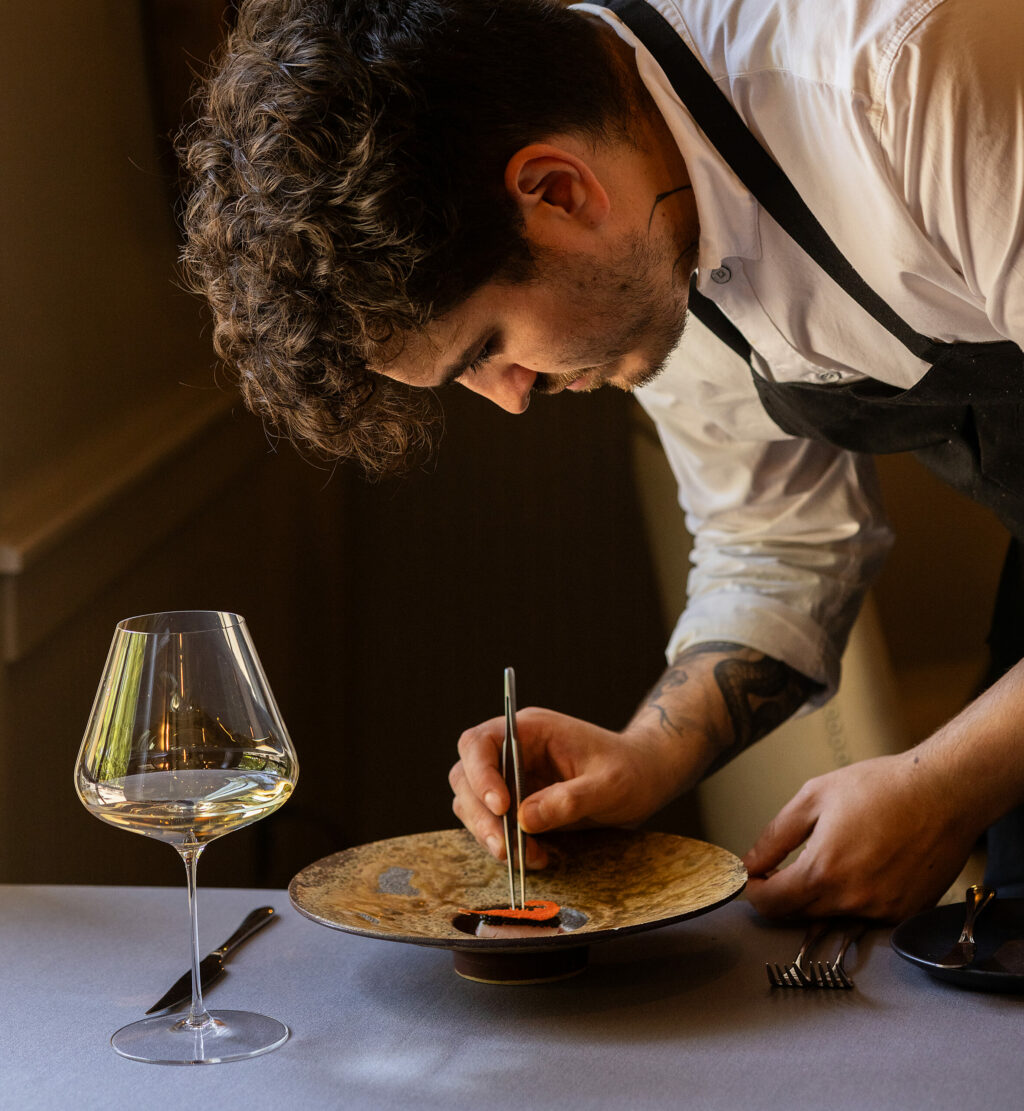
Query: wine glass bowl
185	744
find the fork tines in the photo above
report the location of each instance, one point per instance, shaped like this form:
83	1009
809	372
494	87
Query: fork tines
825	975
802	973
786	976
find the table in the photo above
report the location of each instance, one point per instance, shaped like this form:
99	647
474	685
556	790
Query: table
680	1017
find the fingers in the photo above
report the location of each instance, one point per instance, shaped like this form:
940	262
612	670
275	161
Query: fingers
480	795
481	822
785	832
553	807
480	758
535	854
577	773
487	827
871	848
783	895
788	891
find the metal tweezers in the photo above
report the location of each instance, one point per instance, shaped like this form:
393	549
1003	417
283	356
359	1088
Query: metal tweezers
510	770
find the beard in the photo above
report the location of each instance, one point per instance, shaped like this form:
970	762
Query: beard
628	313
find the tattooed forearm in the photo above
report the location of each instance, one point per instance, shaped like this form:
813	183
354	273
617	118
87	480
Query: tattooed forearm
657	700
665	698
758	692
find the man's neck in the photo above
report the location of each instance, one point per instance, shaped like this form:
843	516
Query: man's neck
650	144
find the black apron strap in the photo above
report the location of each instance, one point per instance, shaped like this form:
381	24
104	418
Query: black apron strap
711	316
752	164
964	419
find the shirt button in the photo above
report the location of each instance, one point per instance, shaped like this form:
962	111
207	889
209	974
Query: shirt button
829	376
721	274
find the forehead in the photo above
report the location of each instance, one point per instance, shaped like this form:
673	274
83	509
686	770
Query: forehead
421	356
431	355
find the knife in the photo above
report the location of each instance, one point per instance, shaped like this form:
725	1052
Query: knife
960	956
211	967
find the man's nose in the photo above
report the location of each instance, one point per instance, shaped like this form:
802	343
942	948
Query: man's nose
508	386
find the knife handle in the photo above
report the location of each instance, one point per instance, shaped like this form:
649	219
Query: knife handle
253	922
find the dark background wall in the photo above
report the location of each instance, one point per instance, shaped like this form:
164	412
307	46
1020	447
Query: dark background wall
524	547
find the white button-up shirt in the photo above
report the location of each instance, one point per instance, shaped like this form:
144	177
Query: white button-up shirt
901	124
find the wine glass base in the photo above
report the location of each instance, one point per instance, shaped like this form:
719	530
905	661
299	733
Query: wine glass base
169	1040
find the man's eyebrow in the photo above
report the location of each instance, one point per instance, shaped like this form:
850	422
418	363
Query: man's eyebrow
461	364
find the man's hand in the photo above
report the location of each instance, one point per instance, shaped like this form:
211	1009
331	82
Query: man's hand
884	839
574	773
709	705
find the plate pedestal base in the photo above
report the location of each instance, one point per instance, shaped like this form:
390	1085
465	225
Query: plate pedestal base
486	966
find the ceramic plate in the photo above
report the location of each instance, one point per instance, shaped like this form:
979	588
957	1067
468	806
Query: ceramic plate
608	883
999	931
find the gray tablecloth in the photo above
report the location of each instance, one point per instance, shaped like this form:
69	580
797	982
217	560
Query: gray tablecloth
681	1017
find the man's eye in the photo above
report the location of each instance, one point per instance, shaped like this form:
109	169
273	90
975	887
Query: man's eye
478	363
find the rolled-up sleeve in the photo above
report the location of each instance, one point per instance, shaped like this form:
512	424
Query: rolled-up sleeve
788	533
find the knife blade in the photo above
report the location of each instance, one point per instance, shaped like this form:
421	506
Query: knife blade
211	967
510	769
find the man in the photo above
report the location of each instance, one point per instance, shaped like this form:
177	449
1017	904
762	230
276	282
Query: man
515	196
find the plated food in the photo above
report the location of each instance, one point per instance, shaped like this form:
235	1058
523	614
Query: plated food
538	918
606	883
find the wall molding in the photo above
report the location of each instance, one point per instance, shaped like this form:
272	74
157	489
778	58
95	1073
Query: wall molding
74	526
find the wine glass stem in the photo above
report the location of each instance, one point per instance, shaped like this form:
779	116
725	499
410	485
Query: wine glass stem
197	1015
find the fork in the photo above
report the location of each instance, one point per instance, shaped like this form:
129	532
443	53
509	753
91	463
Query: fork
795	975
786	976
834	975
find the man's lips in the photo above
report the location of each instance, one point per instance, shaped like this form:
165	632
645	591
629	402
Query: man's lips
586	381
577	381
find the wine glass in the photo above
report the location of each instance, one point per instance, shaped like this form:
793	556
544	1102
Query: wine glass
185	743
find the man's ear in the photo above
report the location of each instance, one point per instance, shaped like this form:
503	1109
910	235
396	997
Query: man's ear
557	191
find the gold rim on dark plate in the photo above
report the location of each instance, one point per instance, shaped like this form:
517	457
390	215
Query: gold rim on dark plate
609	883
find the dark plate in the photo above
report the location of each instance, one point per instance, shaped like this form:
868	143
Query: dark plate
608	882
999	961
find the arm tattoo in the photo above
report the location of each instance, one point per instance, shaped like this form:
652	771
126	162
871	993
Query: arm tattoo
676	676
759	694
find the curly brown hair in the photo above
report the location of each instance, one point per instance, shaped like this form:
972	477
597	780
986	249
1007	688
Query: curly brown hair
345	187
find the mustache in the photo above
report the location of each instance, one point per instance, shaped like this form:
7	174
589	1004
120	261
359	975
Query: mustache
555	383
549	383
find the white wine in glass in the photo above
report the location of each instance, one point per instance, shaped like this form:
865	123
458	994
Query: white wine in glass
185	743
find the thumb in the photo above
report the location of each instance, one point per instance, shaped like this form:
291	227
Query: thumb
560	804
785	832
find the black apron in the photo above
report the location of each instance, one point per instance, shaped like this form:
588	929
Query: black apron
964	419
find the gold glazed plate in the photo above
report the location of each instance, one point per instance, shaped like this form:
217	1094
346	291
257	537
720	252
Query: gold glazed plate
608	883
